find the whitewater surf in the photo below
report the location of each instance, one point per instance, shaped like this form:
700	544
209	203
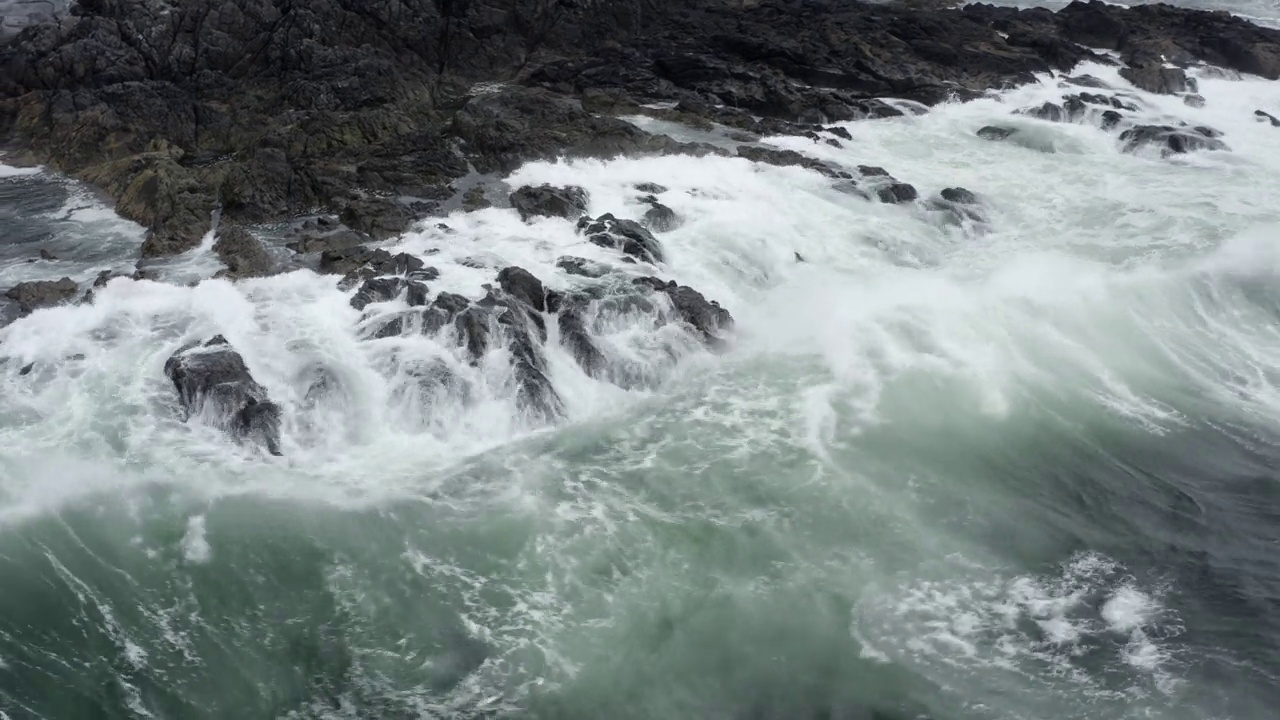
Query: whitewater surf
1017	463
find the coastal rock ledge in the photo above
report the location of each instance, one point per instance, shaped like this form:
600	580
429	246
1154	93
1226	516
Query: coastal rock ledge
266	109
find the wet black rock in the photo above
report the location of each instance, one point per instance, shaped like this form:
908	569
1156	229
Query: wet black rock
839	132
651	188
524	287
386	289
1195	101
242	253
959	195
705	316
31	296
1263	116
1169	140
897	192
45	254
575	337
214	384
1111	119
994	133
549	201
627	236
872	171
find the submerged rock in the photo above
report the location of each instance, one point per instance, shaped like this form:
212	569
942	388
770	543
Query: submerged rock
1170	140
214	383
995	133
582	266
549	201
31	296
659	217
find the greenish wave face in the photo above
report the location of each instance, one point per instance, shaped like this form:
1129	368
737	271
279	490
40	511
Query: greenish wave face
1016	470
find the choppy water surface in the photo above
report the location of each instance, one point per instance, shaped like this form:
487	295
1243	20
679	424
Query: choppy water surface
1023	468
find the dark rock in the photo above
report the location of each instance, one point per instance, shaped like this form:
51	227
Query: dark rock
377	290
1110	119
31	296
46	255
627	236
651	188
242	253
1156	79
524	287
378	218
337	240
26	369
371	262
660	218
1263	116
799	258
549	201
582	266
994	133
834	143
959	195
1169	140
416	293
898	192
787	158
872	171
575	338
707	317
214	384
839	132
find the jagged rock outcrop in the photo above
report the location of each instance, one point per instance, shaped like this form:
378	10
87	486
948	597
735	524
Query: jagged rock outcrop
215	385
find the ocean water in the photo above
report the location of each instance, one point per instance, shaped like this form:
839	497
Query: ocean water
1020	467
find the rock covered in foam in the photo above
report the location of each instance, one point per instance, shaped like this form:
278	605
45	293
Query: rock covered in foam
214	384
627	236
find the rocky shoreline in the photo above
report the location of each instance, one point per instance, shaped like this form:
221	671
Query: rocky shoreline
368	116
374	111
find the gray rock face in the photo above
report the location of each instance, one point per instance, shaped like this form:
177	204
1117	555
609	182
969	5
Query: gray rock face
1156	79
31	296
242	253
549	201
214	384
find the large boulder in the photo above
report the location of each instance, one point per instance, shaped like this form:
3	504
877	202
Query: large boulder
215	385
31	296
549	201
1156	79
